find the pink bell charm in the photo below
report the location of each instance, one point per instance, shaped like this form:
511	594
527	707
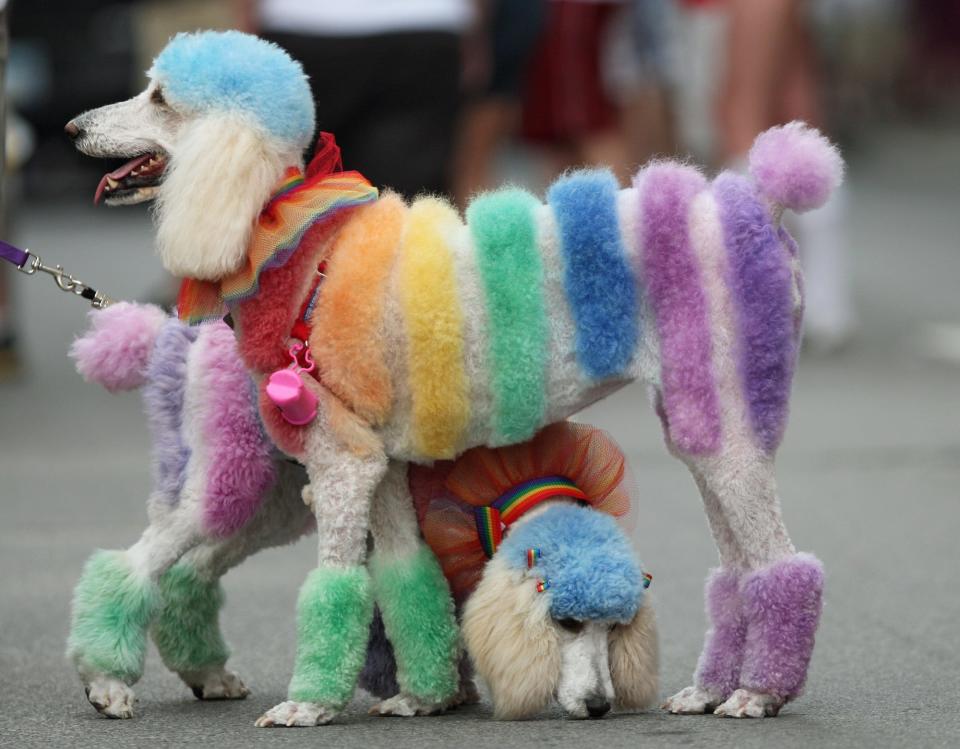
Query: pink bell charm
285	387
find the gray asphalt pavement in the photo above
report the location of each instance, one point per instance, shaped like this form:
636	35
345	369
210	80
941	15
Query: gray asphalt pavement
869	475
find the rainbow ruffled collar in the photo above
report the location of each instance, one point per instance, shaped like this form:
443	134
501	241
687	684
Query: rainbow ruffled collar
298	203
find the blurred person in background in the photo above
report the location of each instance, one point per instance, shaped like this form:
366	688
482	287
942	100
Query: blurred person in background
568	109
497	55
386	78
599	88
643	74
934	75
768	75
588	82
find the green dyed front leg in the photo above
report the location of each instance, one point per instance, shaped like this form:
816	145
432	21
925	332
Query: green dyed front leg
186	629
419	620
187	633
334	612
112	608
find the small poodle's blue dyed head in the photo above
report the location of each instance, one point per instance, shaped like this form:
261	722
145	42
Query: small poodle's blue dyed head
586	559
229	71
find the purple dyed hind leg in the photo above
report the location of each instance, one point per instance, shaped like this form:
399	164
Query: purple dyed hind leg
781	605
718	669
776	600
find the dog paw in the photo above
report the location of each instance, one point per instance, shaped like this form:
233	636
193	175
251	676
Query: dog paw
296	714
467	695
691	701
745	703
406	706
111	697
215	684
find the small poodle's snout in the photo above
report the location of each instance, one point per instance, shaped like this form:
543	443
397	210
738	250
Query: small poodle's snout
597	707
73	130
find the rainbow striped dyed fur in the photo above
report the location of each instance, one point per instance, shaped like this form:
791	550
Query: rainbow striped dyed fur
480	333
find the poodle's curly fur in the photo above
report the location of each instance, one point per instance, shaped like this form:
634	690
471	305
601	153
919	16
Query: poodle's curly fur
227	116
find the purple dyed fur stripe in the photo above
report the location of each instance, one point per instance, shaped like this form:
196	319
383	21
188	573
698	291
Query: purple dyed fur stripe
782	604
676	294
761	283
163	392
240	469
718	670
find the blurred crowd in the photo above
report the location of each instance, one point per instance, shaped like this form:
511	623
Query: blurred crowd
455	96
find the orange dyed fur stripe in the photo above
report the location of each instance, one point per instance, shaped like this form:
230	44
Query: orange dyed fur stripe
347	340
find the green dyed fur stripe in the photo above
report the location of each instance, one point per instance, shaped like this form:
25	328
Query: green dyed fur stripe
504	233
112	608
418	617
333	620
187	628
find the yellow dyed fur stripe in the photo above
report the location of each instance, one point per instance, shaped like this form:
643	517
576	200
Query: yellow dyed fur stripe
347	337
434	326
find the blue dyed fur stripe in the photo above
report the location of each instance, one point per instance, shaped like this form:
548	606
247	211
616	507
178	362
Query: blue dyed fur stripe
597	276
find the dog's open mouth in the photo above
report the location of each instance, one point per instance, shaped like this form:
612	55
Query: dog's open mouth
134	182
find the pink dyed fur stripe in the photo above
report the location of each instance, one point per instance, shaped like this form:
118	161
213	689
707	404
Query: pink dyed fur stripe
675	290
240	467
116	350
707	241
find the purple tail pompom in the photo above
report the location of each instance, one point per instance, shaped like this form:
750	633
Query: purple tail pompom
116	349
718	670
795	167
782	605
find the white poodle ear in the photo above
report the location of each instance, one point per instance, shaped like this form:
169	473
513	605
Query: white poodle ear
216	183
512	642
634	660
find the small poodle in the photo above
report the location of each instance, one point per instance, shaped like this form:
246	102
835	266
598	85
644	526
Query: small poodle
553	599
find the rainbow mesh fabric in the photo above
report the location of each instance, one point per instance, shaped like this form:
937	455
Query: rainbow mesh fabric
298	204
448	494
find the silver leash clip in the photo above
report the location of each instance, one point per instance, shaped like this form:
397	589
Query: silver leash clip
64	281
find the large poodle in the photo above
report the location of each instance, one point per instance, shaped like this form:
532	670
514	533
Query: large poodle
431	336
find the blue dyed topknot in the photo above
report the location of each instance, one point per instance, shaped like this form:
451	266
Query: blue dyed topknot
587	560
229	71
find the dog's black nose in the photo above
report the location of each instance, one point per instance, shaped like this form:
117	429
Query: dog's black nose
597	707
72	130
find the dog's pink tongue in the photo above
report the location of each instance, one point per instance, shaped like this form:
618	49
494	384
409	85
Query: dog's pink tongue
118	174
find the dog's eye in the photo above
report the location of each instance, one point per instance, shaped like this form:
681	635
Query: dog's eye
571	625
157	97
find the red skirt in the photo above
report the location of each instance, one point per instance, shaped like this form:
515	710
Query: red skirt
565	97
